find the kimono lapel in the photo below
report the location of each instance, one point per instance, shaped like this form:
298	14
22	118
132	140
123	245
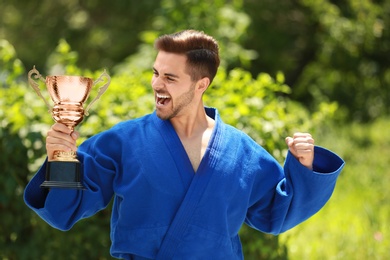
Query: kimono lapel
176	148
194	192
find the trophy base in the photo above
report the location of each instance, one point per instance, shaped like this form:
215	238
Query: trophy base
62	174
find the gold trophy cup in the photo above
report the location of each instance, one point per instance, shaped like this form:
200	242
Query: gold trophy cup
68	94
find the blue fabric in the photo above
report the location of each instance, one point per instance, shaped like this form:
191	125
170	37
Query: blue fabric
159	202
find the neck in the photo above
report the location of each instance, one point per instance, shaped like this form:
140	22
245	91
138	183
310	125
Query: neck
193	123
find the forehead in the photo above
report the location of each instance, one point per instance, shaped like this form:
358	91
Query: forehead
169	62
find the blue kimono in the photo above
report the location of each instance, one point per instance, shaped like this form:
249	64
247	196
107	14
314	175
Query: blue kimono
163	210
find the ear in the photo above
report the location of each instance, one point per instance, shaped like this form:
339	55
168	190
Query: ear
203	84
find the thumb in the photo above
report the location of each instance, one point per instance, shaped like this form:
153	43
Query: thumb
75	135
290	143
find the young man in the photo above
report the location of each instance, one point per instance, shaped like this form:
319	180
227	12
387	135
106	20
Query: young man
183	181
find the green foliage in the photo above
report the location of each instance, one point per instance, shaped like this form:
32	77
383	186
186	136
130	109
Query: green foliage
8	63
24	121
102	32
355	222
176	15
255	105
351	64
329	50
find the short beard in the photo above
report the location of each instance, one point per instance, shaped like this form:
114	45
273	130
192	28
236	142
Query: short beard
182	102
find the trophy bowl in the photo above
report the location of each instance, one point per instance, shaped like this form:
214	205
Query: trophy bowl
68	94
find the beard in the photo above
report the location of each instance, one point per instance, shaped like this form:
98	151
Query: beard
178	105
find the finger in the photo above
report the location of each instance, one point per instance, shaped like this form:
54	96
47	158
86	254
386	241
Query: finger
291	147
300	134
51	148
63	143
62	131
56	137
58	127
304	147
289	141
56	144
75	135
304	143
303	138
61	137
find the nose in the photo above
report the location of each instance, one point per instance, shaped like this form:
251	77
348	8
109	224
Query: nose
157	83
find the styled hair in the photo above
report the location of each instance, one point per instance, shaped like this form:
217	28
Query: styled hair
200	49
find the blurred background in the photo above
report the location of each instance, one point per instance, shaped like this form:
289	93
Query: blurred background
292	65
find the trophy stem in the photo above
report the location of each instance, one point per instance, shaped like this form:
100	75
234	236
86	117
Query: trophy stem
68	113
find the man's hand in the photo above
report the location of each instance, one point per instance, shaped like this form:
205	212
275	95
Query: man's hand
301	145
60	137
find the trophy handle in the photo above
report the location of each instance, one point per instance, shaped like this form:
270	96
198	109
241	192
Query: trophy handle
35	85
101	91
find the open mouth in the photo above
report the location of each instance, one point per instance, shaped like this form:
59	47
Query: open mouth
162	99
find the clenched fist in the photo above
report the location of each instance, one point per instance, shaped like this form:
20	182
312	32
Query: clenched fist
60	138
301	145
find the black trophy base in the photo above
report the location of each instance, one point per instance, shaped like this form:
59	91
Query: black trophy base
64	175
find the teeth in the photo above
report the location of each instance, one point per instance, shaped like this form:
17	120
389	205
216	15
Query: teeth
162	96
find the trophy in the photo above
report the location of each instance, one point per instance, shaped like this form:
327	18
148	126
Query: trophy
68	94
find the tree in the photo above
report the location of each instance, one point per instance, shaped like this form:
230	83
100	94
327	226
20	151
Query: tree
25	120
102	32
329	51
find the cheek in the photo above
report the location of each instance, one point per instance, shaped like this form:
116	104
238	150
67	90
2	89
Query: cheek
153	80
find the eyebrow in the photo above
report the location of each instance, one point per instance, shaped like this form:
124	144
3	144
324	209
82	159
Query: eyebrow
167	74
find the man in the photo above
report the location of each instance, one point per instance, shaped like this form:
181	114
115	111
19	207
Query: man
184	182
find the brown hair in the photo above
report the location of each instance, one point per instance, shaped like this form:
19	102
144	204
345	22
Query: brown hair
200	49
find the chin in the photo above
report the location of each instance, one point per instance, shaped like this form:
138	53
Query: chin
163	116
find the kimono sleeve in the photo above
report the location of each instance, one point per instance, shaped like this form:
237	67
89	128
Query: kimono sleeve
300	194
62	208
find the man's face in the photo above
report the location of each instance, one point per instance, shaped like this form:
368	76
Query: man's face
173	87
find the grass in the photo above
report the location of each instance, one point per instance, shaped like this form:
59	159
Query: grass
355	224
